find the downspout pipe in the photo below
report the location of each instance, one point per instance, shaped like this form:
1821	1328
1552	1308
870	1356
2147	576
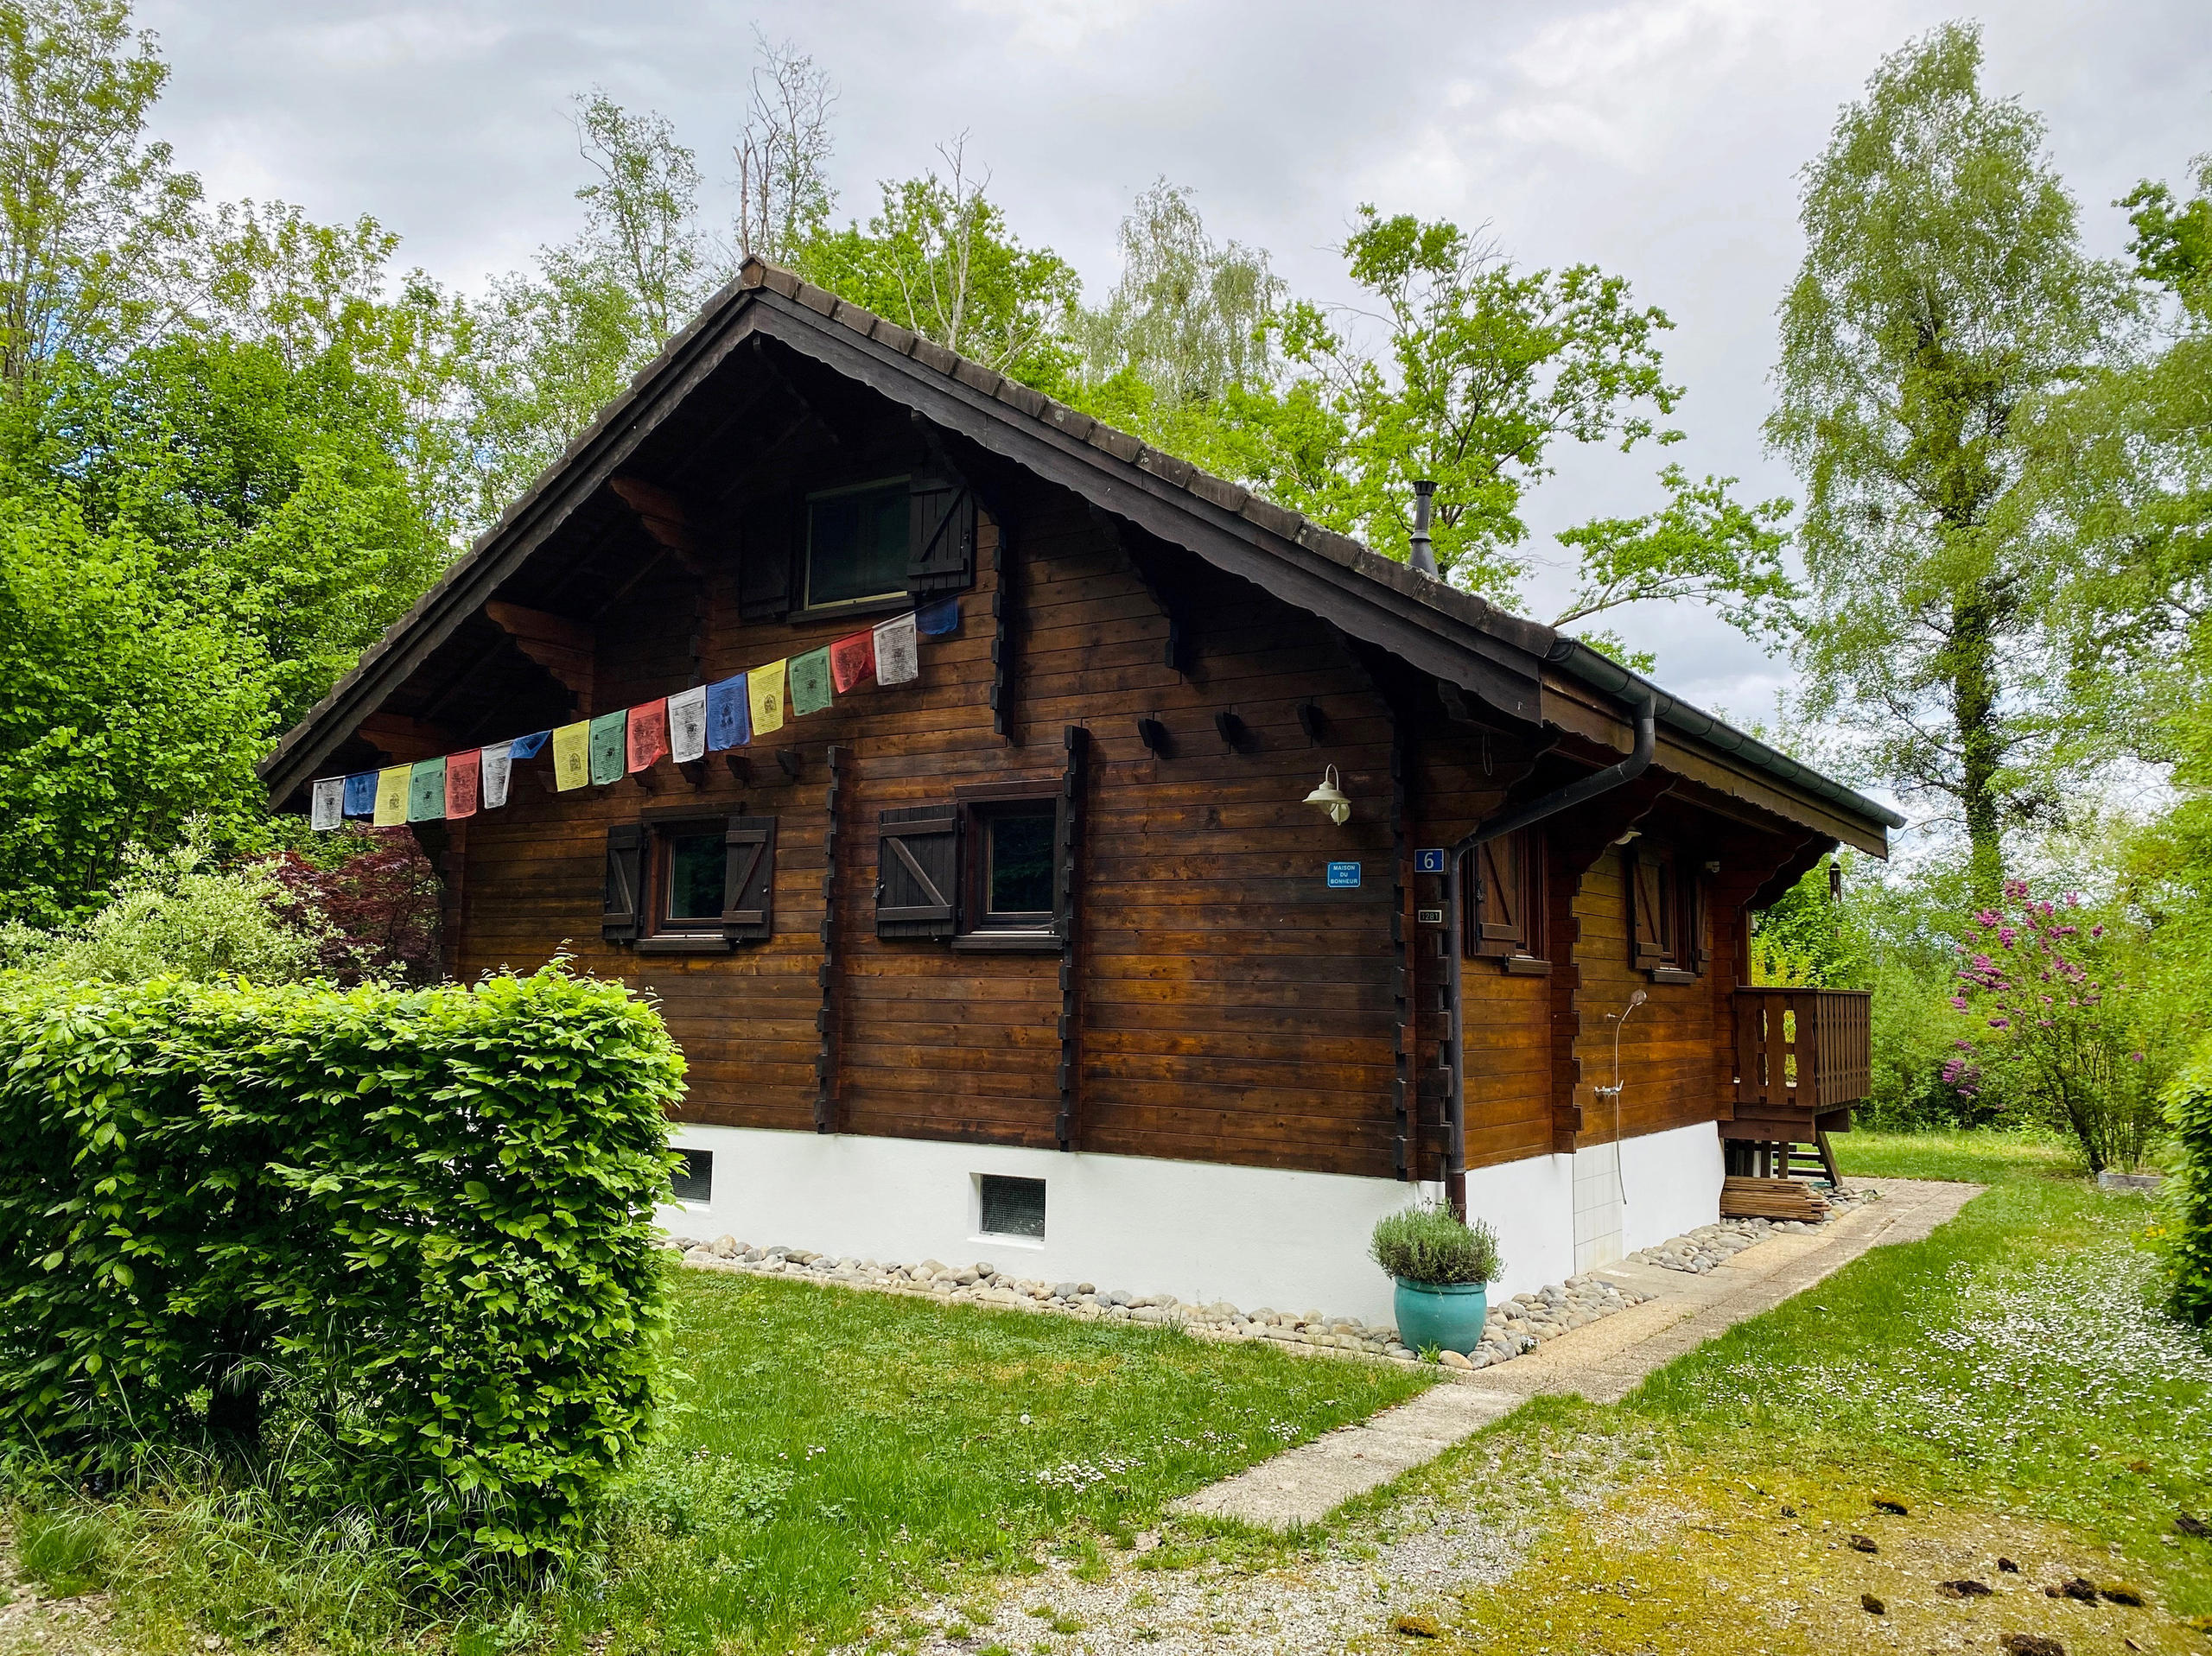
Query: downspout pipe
1577	792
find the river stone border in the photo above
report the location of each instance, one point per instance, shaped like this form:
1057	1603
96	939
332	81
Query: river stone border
1708	1246
1516	1325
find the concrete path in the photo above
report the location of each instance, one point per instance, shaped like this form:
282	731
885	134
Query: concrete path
1602	1361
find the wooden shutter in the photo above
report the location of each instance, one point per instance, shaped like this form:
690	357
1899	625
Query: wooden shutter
941	531
918	872
1501	919
1693	944
774	542
749	880
625	858
1650	940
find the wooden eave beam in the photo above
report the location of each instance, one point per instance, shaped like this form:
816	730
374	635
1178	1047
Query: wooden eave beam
563	648
664	519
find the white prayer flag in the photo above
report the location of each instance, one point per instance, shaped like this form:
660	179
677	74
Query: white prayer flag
498	762
328	809
687	725
897	661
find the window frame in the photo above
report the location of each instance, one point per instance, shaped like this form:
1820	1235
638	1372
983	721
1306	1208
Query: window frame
807	609
657	931
974	928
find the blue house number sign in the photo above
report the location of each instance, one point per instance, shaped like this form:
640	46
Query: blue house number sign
1343	873
1429	860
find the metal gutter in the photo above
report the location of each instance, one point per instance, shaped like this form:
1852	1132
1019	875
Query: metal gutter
1602	672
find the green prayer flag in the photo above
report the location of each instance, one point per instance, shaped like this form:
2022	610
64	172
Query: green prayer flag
610	747
810	679
426	791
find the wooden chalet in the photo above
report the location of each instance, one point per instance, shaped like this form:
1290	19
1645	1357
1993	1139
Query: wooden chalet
1045	957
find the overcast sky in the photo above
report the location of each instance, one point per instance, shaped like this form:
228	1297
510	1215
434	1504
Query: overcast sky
1658	138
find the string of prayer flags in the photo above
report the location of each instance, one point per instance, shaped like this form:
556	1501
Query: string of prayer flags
729	723
529	746
495	765
851	661
390	810
426	791
361	793
811	680
940	618
897	659
572	756
609	737
464	778
327	806
648	734
764	693
687	724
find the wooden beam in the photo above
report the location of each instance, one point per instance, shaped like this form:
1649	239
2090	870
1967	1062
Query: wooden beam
664	519
563	648
403	739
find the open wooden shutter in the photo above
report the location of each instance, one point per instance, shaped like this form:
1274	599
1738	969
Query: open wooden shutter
941	529
625	893
1500	920
1694	945
918	872
774	541
1650	940
749	880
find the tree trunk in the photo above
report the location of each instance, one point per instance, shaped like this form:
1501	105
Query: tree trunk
1972	661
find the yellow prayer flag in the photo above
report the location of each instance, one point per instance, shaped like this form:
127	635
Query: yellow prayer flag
763	688
572	756
392	796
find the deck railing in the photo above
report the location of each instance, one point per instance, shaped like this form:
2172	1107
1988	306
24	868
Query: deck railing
1801	1049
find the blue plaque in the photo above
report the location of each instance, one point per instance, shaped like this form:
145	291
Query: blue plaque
1343	873
1429	860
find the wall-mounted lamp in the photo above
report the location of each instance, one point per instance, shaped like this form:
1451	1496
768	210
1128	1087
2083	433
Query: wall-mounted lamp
1330	798
1154	735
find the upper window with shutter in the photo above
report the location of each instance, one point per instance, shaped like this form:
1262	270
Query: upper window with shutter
859	544
1505	901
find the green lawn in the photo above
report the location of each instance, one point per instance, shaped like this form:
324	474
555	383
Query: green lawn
2014	1380
831	1452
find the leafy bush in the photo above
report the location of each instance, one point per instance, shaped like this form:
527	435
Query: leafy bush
2188	1193
408	1233
175	914
1430	1243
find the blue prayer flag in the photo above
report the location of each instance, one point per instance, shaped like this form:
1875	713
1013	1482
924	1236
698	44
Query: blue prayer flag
529	746
938	619
729	721
361	794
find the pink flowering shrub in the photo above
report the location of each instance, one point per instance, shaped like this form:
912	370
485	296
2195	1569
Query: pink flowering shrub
2054	1026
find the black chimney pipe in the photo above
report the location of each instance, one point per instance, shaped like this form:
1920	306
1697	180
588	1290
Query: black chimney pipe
1422	554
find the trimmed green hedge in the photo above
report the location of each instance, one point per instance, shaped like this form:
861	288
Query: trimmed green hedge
2189	1188
405	1236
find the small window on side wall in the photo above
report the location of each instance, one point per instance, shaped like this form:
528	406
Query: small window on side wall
1010	1206
1655	913
1504	918
690	886
693	1176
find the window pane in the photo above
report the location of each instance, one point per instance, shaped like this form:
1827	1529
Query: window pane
856	545
695	865
1013	1207
693	1176
1020	879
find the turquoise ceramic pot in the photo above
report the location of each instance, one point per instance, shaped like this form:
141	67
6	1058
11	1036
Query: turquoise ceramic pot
1446	1315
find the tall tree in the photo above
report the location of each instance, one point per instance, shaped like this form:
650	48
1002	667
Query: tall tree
96	224
1943	286
782	152
939	259
550	348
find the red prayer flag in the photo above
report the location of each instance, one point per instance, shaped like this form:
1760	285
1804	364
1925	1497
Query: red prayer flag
464	774
852	660
648	734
